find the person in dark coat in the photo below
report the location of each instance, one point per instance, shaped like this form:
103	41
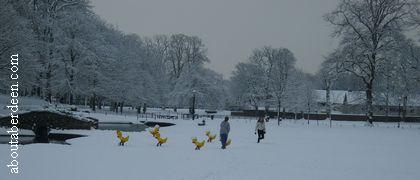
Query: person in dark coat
224	131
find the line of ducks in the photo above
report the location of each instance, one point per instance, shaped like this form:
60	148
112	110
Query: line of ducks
156	134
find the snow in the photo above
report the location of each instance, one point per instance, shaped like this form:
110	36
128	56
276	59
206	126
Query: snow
291	151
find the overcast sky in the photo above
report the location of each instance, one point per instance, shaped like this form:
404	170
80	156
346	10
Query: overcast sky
230	29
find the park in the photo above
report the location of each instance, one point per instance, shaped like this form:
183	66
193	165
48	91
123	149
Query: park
187	89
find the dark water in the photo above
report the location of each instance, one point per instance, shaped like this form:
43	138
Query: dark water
131	127
161	124
55	138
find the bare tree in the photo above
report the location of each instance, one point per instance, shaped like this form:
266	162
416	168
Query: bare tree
184	51
366	28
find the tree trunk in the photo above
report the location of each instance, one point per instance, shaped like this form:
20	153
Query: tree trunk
93	102
328	98
267	108
309	111
387	107
48	75
116	105
404	110
99	103
328	101
256	110
369	103
138	108
284	112
387	99
121	107
71	98
278	111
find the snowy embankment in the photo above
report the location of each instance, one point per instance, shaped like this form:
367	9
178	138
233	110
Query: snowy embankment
293	150
25	104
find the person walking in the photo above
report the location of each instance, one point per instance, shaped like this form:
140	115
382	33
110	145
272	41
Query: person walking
224	131
260	128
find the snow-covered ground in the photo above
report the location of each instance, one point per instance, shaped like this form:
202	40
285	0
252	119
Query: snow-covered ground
293	150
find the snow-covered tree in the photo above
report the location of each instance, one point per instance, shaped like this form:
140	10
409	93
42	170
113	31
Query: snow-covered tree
207	86
276	65
73	56
268	78
283	66
15	37
246	84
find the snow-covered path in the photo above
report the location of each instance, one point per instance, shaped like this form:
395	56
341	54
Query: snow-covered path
292	151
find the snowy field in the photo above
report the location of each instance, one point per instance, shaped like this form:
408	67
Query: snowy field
293	150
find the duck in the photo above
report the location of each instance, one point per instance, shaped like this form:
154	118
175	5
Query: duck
154	131
161	140
207	133
123	140
198	145
210	137
228	142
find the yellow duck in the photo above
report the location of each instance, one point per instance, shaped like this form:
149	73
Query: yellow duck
123	140
198	145
210	137
228	142
207	133
155	131
161	140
